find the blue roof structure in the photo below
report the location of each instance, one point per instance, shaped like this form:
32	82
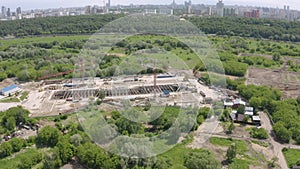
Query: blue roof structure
6	89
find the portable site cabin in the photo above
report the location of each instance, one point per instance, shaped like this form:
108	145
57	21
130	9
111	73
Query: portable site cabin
9	90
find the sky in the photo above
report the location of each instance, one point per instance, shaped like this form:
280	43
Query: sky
44	4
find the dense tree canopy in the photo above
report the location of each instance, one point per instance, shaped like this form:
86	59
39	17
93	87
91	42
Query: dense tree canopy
56	25
95	157
12	118
249	27
48	137
285	113
231	26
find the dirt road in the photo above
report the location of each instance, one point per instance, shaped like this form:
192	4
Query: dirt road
277	147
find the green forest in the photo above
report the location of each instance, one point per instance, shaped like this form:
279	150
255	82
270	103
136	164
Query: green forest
230	26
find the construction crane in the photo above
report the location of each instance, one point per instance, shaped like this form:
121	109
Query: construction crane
55	75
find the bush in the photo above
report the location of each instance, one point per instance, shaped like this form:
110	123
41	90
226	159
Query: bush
201	159
48	137
17	144
282	133
5	149
260	133
31	140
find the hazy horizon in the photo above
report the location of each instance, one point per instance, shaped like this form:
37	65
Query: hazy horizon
45	4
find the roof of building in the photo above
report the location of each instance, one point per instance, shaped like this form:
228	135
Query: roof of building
234	111
249	109
249	113
256	118
228	103
239	101
240	117
6	89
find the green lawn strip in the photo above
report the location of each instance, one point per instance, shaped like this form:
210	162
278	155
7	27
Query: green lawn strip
292	156
261	143
239	164
24	95
9	100
241	145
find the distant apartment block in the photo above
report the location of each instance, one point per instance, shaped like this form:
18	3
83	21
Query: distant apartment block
151	11
252	14
220	8
229	12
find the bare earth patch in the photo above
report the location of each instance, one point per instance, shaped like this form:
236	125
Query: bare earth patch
287	82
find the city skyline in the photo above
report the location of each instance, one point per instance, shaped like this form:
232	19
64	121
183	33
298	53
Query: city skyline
34	4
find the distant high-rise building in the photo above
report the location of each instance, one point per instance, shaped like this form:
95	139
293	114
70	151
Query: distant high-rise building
188	6
229	12
288	14
209	10
174	4
108	4
19	11
94	10
252	14
88	9
265	13
220	8
3	12
8	12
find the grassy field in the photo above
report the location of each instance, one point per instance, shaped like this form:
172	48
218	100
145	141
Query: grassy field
178	153
239	164
241	145
10	163
292	156
43	39
245	156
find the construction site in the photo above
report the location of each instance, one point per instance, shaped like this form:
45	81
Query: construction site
60	96
114	92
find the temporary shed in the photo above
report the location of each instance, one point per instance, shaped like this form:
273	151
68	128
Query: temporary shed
9	90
